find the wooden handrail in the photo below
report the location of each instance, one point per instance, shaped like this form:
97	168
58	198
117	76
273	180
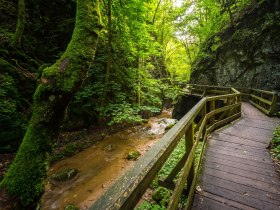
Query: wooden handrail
264	100
126	192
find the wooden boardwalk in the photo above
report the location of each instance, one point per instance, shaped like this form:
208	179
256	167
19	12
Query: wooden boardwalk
237	171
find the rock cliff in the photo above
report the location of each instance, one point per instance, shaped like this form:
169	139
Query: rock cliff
245	55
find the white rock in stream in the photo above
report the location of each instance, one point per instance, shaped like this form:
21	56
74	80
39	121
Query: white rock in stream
158	127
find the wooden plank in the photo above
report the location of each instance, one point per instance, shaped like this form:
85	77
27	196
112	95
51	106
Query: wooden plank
242	165
239	140
258	160
243	180
237	159
240	146
265	120
258	155
238	149
240	188
245	136
202	202
249	133
238	198
255	124
249	129
237	167
242	172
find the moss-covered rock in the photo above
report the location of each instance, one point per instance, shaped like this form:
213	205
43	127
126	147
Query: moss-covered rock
133	155
65	175
71	207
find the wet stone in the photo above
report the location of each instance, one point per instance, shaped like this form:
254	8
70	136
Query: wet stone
109	148
65	175
71	207
133	155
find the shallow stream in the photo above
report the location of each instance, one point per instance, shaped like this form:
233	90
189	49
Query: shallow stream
101	165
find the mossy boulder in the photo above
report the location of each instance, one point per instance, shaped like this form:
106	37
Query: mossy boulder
65	175
133	155
167	128
71	207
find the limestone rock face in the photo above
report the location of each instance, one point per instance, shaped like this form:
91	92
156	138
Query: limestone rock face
246	55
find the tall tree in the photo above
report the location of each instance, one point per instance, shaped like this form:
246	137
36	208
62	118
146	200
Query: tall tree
109	55
58	84
20	24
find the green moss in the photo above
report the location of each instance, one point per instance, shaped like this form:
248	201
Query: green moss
72	149
169	127
71	207
20	24
133	155
27	172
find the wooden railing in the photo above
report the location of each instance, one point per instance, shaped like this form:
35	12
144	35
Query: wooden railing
206	90
209	113
263	100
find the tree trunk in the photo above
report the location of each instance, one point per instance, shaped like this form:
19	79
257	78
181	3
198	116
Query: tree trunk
58	84
109	59
20	24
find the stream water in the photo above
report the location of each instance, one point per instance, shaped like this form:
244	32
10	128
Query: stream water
101	165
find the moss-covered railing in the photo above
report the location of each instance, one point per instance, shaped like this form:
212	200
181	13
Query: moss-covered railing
208	114
206	90
263	100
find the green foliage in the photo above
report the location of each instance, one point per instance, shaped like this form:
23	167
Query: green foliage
197	22
275	143
148	206
12	121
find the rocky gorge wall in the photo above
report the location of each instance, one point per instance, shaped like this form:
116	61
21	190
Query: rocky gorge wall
246	54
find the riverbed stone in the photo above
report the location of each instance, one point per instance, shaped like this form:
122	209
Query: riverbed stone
71	207
65	175
133	155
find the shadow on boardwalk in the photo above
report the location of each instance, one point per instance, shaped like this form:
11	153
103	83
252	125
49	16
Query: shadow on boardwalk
237	171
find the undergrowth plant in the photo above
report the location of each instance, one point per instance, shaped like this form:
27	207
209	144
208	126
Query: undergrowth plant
161	196
275	144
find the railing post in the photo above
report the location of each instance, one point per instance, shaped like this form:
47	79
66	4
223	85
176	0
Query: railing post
189	139
212	108
273	104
